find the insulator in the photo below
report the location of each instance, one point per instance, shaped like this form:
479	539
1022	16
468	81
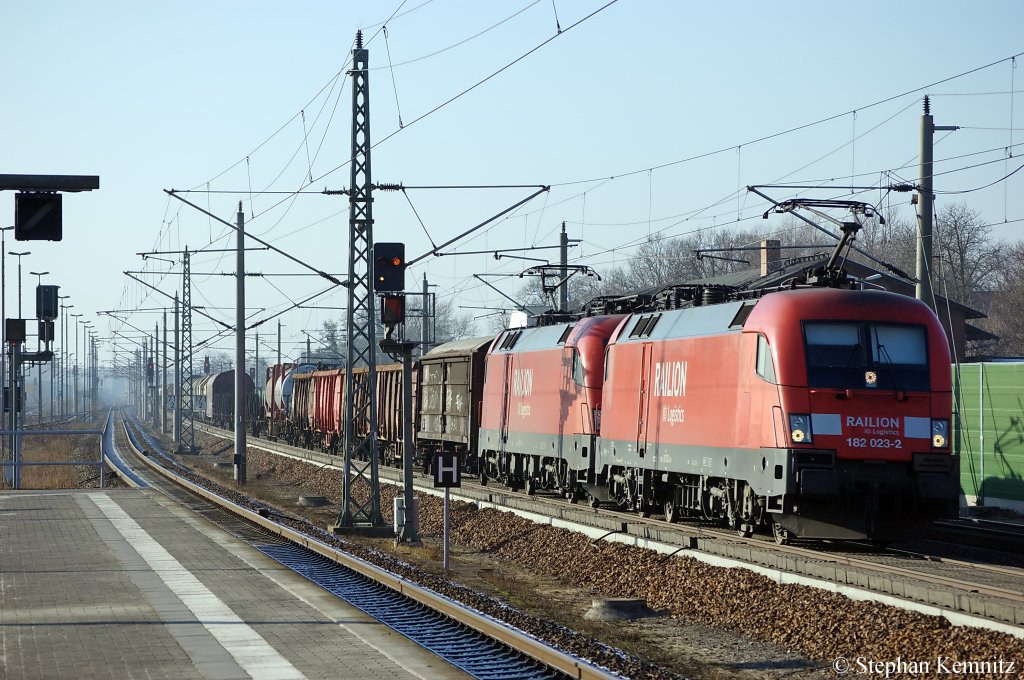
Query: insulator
712	296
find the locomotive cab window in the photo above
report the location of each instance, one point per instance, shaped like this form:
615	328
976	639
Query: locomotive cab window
765	367
901	354
577	368
866	355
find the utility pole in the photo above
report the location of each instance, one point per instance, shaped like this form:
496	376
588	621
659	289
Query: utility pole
427	316
163	381
39	345
177	376
926	198
240	350
256	376
360	409
563	292
3	337
94	377
154	386
63	378
144	378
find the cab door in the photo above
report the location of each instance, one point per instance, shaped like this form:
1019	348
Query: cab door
644	401
506	391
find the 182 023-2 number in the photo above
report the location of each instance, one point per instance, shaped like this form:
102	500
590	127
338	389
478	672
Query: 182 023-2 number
874	442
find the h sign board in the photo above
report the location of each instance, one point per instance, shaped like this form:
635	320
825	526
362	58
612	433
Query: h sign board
447	471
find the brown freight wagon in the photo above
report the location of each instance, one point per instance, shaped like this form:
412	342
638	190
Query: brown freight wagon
451	378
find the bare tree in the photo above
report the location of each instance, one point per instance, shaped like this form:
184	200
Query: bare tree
446	324
1006	303
331	339
968	251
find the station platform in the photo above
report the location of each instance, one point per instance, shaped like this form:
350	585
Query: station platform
125	583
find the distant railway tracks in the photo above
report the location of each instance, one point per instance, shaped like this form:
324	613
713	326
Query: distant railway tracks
427	608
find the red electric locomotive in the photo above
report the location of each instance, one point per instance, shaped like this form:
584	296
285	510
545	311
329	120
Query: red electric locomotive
814	408
821	412
542	403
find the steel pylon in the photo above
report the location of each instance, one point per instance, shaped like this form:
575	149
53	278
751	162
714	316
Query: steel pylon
361	464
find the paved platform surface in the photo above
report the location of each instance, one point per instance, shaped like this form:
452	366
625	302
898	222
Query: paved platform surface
126	584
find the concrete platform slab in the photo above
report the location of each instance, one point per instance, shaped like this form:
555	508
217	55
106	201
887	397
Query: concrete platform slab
125	583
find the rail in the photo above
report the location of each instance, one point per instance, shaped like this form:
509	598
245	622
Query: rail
550	657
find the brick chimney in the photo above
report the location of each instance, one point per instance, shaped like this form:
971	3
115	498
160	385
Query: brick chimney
769	256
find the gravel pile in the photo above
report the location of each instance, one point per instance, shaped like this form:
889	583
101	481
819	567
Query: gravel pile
819	625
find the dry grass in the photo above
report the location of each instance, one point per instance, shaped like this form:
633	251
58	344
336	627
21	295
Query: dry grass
83	449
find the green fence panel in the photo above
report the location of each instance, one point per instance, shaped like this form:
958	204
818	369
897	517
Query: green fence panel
990	432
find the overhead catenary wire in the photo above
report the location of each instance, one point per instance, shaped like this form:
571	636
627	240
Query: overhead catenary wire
394	81
459	43
584	194
790	130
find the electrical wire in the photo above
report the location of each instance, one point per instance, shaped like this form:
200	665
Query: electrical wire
461	42
796	128
480	82
985	186
394	82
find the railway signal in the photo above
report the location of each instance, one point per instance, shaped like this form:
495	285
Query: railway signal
389	267
392	310
37	217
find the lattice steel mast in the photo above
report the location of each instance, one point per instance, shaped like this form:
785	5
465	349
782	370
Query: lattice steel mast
360	402
187	441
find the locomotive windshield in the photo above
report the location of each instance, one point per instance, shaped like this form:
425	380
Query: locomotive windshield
849	355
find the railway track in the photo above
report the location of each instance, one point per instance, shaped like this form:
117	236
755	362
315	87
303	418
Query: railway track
970	588
430	614
980	533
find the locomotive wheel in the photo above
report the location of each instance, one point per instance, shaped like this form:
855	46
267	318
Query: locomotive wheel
671	512
530	485
781	534
483	478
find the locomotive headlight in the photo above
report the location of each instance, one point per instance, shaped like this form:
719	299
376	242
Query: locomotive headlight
800	428
940	433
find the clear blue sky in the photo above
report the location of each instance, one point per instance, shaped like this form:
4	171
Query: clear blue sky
177	95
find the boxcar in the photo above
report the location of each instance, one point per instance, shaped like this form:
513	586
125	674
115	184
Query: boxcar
219	392
451	378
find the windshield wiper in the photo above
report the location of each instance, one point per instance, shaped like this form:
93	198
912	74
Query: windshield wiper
854	354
